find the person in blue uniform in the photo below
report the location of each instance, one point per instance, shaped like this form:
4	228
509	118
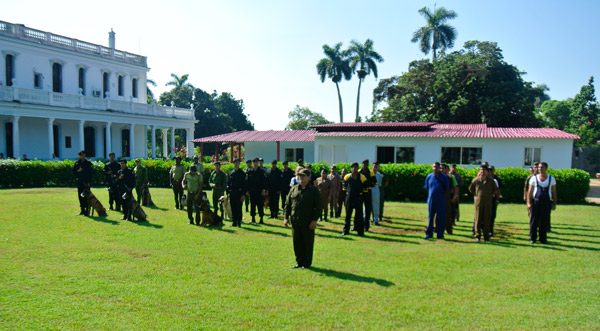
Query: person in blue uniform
436	183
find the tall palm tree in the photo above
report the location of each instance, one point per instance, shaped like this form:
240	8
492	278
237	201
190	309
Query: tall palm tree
179	81
336	66
436	34
148	90
364	57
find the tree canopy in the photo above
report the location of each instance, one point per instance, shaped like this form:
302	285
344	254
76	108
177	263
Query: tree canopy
472	85
301	118
436	34
335	65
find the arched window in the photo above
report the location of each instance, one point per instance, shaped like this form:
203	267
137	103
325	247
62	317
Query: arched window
57	77
89	140
125	142
10	69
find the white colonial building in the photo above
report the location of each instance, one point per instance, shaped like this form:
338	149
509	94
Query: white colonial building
59	95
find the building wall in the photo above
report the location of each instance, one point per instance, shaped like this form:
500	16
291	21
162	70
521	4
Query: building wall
268	150
499	152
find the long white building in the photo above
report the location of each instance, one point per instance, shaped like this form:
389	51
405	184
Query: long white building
59	95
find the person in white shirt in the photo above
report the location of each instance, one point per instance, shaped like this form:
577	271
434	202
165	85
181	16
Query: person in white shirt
541	199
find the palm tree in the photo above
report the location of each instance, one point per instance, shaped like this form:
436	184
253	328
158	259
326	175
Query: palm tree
364	56
149	92
179	81
443	35
336	66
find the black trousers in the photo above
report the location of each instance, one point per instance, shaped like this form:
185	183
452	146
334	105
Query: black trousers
191	203
274	203
178	193
356	206
113	197
284	195
247	201
540	219
304	242
257	201
236	208
126	203
342	203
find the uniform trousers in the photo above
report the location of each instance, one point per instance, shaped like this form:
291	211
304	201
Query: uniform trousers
356	206
191	205
540	217
217	194
178	193
304	242
274	203
81	187
236	208
437	210
256	201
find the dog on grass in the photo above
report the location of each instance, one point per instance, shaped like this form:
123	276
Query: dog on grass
209	217
226	208
146	197
93	203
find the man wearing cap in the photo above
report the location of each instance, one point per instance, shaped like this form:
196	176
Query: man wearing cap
286	176
192	181
110	176
248	169
257	188
365	171
313	177
336	187
302	208
236	190
82	169
218	183
437	184
483	188
198	164
274	187
175	178
354	184
126	183
141	179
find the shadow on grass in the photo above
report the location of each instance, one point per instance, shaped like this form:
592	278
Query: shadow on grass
349	276
102	219
148	224
255	228
155	207
223	228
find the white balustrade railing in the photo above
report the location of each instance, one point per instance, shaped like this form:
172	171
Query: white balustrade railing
40	97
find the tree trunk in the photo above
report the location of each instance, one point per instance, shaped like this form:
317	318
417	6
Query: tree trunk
340	101
358	99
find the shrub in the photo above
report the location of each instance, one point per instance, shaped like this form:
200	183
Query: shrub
405	180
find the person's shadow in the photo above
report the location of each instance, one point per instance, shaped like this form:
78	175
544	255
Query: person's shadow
352	277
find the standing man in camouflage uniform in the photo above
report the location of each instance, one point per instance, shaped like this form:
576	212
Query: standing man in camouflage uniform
218	183
110	176
302	208
82	169
236	190
175	178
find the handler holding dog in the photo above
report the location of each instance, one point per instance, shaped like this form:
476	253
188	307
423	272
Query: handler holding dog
303	208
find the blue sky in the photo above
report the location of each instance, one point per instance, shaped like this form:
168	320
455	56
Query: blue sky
265	52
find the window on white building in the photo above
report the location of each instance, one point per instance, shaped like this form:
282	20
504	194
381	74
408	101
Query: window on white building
294	154
125	142
57	77
89	141
105	84
37	80
81	74
532	155
134	88
9	66
120	88
399	154
461	155
332	153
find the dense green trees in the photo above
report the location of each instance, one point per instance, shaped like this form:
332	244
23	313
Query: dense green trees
301	118
473	85
436	34
364	58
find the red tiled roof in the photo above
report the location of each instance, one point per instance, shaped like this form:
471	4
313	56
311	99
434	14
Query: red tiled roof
475	132
243	136
373	124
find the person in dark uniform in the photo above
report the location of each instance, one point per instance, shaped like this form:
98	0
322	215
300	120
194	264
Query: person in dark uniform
83	172
110	176
342	196
302	208
248	169
175	178
236	190
437	184
192	182
126	184
541	200
354	184
367	199
286	176
218	183
274	187
257	187
313	177
301	163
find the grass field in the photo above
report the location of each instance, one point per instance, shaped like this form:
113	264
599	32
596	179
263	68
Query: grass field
62	271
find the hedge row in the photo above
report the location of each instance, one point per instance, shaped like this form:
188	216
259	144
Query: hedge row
405	180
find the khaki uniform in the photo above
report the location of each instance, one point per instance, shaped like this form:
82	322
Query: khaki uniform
336	187
483	188
194	184
325	191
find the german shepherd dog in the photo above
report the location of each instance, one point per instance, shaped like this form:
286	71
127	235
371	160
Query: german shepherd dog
93	203
135	210
226	204
209	217
146	197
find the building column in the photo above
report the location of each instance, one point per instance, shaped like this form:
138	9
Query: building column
16	148
165	151
81	141
189	135
131	141
153	141
172	142
50	138
108	138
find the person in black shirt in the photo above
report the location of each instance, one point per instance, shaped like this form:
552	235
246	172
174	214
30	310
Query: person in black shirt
257	186
126	183
236	190
83	172
110	176
274	186
286	177
248	169
354	184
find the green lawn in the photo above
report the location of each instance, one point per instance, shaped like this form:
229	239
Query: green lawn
62	271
